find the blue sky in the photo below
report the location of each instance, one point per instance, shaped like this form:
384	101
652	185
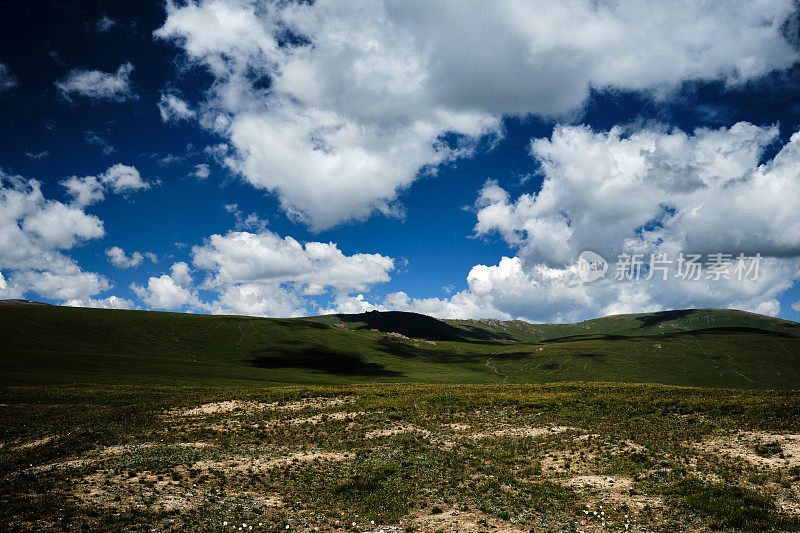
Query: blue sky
289	159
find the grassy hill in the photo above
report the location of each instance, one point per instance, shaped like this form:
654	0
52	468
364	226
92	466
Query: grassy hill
704	347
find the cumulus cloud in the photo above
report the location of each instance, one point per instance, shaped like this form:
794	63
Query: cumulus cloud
170	291
353	106
510	290
118	257
84	191
201	171
7	80
119	179
123	178
653	191
262	274
111	302
244	257
34	233
796	306
61	226
258	299
173	108
610	192
98	85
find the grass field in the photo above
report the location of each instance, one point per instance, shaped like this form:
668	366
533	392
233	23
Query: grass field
144	421
715	348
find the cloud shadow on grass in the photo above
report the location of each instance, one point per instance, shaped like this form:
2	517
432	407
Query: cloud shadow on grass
320	358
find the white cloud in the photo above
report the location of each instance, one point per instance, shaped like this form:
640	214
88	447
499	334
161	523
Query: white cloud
173	108
201	171
118	258
263	274
119	179
7	80
111	302
244	257
35	232
612	192
169	291
509	291
649	191
84	191
796	306
98	85
105	23
61	226
246	222
358	102
68	282
258	299
30	224
123	178
36	156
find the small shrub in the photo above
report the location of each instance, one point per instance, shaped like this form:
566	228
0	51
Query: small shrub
768	449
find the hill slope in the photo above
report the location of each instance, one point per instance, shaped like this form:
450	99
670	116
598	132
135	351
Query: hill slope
52	345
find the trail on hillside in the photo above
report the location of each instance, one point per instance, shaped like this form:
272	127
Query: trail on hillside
505	376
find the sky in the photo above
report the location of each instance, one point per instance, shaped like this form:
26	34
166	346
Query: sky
544	161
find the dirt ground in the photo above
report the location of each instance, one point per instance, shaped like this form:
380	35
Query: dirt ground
342	463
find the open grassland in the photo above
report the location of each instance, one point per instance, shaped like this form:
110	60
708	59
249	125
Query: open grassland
146	421
711	348
403	457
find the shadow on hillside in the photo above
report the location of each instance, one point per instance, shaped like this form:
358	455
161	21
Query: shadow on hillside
420	326
587	337
322	359
406	350
653	319
730	330
298	323
476	333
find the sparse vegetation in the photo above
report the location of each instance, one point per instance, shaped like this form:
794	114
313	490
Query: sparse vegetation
472	457
138	421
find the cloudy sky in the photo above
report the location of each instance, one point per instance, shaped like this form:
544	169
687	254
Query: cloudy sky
450	158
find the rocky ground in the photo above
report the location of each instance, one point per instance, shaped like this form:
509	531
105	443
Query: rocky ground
411	459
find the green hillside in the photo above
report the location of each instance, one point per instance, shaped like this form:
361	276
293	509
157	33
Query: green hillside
707	347
660	323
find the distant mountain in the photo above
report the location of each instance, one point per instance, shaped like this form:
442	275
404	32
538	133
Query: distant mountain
21	302
43	344
659	323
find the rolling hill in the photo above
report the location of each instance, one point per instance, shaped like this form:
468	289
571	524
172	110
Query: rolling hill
695	347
